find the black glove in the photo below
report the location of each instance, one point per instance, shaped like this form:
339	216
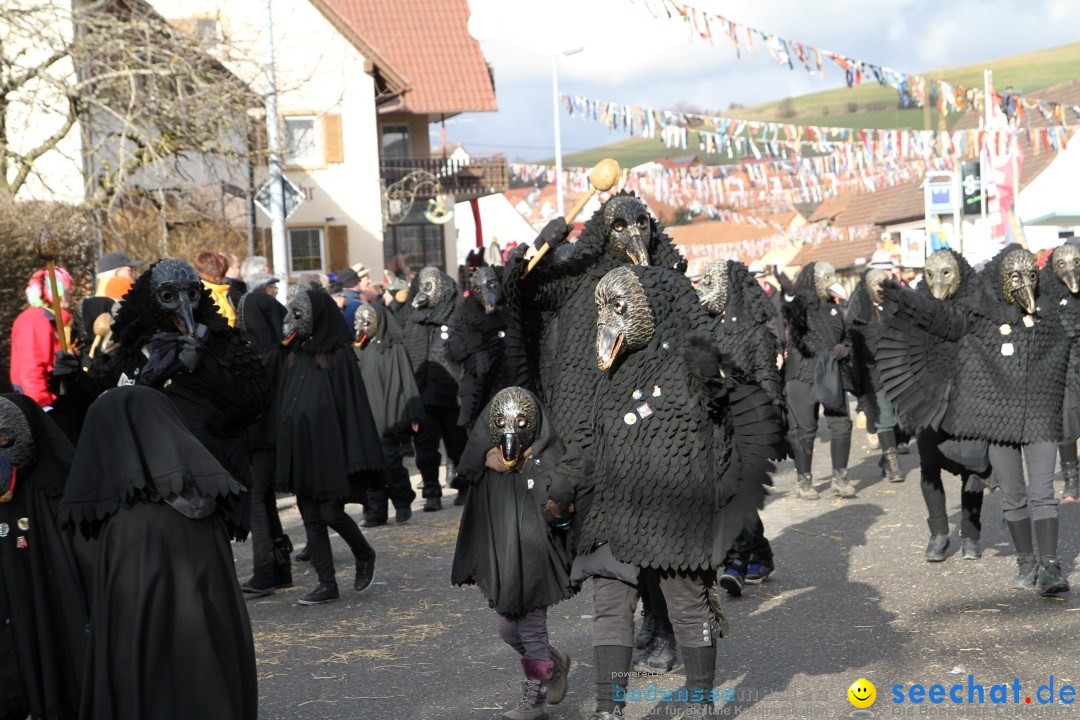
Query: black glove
189	352
67	367
840	351
553	234
785	284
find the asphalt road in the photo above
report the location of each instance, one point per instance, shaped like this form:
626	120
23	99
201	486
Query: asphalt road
852	597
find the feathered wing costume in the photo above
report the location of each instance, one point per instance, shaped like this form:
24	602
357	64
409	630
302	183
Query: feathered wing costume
169	632
43	573
551	312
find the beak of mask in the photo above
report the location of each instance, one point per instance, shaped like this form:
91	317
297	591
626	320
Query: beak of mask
510	449
420	301
609	341
1071	278
837	291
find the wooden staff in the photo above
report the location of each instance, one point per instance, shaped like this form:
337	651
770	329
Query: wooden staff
49	249
602	178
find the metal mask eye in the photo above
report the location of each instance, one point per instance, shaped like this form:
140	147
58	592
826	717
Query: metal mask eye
193	294
168	296
619	225
707	281
522	422
6	439
643	221
619	306
500	421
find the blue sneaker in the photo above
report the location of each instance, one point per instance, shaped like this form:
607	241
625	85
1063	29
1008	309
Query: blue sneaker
758	570
732	578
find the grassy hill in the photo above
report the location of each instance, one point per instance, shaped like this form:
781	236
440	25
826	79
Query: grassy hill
864	106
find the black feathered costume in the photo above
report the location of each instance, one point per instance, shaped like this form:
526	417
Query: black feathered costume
477	344
170	637
1007	402
328	447
395	405
935	360
551	312
816	332
682	460
44	609
427	331
259	316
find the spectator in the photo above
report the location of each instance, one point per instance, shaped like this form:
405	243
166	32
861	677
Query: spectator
234	279
253	265
34	338
212	267
350	283
115	274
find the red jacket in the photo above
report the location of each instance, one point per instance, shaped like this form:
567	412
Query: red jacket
33	352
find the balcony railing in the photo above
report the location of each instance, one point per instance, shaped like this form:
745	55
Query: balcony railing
464	179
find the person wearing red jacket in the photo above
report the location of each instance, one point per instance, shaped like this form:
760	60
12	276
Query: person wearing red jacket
34	339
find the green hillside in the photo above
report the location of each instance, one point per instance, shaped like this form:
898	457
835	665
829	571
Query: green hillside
865	106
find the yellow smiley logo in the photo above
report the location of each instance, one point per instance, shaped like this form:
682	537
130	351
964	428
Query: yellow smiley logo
862	693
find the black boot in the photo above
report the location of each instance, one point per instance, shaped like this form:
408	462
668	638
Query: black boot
1071	472
1050	581
936	548
282	564
646	632
1027	567
376	509
612	668
890	462
305	554
700	664
461	496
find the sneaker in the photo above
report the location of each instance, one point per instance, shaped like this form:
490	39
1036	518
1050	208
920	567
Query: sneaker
459	499
937	547
403	514
373	522
365	573
841	484
1050	580
1027	569
432	504
647	631
326	592
658	658
615	714
969	549
305	554
733	579
804	487
758	571
872	441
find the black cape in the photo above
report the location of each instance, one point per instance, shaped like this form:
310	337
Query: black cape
477	344
327	442
1055	292
865	321
388	378
170	637
814	326
43	604
681	469
507	545
427	339
551	318
263	317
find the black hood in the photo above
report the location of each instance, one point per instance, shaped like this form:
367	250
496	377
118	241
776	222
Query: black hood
592	243
140	316
387	332
860	307
439	314
263	316
970	288
986	299
329	331
746	299
134	444
804	286
546	445
54	452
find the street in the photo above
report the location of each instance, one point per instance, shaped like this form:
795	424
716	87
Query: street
851	597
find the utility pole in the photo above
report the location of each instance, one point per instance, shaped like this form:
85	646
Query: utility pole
277	187
558	140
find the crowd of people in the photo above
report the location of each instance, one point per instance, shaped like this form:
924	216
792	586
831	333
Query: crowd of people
603	415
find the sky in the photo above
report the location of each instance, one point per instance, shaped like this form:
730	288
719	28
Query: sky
632	58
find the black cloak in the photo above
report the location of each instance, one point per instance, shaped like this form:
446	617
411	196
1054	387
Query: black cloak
170	637
1010	378
814	326
327	440
477	344
43	604
427	335
918	370
1055	292
681	455
263	317
507	545
744	332
551	319
865	321
388	378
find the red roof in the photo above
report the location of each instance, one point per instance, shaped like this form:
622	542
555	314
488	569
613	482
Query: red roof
428	44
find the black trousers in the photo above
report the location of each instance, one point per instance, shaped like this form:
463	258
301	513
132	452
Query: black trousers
394	486
319	515
931	463
688	608
804	416
440	424
265	521
751	543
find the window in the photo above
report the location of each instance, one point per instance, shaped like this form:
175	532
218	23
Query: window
301	143
305	250
411	247
395	141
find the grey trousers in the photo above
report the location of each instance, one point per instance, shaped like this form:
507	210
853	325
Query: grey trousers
687	603
1035	499
527	633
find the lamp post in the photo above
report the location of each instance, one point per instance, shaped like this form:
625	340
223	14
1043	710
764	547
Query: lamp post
555	111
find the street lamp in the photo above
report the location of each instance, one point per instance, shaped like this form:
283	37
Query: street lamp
555	108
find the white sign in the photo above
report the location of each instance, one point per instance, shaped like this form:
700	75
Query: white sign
912	248
293	197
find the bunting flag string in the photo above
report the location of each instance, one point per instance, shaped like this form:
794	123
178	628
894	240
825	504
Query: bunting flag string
738	138
913	90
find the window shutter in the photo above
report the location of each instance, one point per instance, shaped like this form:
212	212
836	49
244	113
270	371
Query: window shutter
264	245
339	246
333	145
